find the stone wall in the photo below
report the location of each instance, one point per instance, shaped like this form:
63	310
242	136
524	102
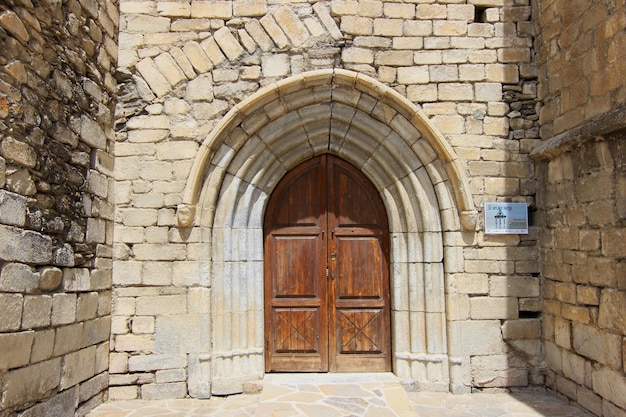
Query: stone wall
57	98
185	64
581	194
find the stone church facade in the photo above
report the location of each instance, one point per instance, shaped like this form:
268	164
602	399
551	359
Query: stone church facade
141	142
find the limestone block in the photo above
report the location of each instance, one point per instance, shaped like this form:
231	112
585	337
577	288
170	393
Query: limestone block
170	375
76	279
431	11
163	391
143	325
488	91
118	362
514	286
422	93
456	92
200	89
611	385
413	75
134	343
354	25
395	58
521	329
148	363
502	186
493	308
16	349
93	386
514	55
199	381
213	9
449	124
68	339
475	337
256	31
182	333
291	25
444	73
24	246
37	310
16	277
228	44
472	283
472	72
275	65
147	24
358	55
173	9
275	32
198	58
123	393
504	378
63	308
161	305
388	27
461	12
43	345
78	366
250	8
155	79
86	306
449	28
169	68
18	152
21	182
612	307
30	383
323	14
139	217
597	344
183	62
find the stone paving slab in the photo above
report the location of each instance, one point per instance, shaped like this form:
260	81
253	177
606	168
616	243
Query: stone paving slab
333	395
330	397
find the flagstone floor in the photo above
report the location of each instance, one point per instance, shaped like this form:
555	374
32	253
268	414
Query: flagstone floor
347	395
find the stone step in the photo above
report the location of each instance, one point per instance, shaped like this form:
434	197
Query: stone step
335	394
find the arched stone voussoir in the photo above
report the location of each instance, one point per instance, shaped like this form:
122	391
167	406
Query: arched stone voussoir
361	113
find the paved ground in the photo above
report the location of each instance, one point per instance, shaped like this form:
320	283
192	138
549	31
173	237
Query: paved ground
336	395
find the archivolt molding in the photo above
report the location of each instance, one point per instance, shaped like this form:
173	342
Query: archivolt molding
321	107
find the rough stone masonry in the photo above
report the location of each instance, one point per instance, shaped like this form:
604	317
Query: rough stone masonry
140	142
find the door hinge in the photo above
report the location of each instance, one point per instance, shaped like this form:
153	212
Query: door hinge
326	270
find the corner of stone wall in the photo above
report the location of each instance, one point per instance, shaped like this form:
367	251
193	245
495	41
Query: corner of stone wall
57	97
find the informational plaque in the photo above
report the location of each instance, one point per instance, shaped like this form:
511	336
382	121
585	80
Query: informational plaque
506	218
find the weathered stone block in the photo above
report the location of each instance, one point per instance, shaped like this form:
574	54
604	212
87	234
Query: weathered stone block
611	385
24	246
475	337
612	308
31	383
146	363
16	349
43	345
37	310
16	277
493	308
162	391
598	345
521	329
78	366
63	308
182	333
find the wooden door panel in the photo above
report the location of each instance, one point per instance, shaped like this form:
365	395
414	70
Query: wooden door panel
296	266
358	268
361	331
297	330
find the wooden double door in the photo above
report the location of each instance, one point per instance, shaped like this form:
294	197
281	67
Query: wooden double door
326	272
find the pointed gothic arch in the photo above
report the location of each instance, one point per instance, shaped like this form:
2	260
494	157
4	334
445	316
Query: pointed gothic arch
388	138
